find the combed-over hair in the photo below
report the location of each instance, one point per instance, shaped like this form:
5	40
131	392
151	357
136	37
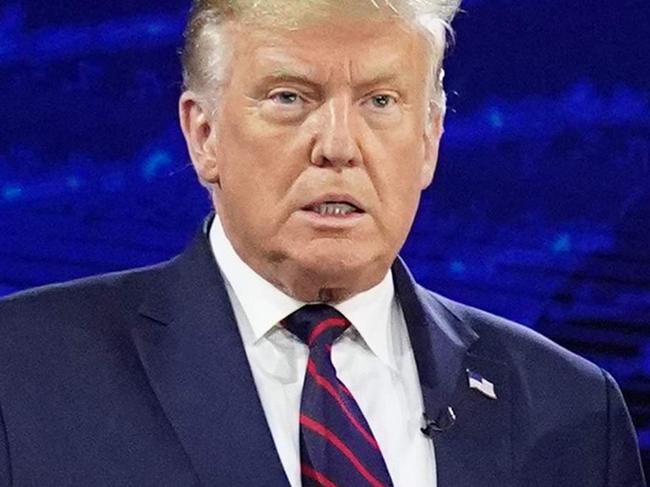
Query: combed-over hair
205	56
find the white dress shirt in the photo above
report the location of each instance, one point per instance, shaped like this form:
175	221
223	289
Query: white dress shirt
373	358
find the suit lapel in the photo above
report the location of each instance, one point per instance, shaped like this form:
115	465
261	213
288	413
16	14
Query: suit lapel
477	449
190	347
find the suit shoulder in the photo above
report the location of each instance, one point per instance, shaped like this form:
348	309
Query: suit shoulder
519	346
90	295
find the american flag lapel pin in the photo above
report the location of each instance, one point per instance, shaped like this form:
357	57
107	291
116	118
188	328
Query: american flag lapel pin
481	384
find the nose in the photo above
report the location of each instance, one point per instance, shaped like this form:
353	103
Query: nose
335	143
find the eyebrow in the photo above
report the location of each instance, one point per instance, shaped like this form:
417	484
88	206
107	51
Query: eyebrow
283	75
385	78
288	76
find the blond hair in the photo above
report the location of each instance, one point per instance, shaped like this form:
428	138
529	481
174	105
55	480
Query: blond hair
206	53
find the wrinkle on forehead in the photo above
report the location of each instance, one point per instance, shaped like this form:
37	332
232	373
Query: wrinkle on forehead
282	53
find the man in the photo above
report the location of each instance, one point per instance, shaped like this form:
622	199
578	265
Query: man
288	345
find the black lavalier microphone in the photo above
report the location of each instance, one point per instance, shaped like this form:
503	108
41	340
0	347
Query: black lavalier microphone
443	422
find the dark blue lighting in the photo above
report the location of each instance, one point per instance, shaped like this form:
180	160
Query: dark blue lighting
47	45
579	107
644	439
155	164
562	243
12	192
495	117
113	182
457	267
73	182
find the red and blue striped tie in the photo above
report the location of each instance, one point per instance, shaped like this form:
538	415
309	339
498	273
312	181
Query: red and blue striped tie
337	447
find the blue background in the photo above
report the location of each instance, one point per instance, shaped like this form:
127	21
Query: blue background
540	210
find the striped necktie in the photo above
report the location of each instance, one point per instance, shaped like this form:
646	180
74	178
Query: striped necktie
337	447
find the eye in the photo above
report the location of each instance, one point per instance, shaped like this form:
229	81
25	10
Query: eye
382	101
285	97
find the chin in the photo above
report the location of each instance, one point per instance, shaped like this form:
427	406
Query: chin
336	259
347	271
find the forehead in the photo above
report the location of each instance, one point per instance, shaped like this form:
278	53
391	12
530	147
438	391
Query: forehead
357	47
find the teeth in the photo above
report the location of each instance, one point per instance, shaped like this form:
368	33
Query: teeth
334	209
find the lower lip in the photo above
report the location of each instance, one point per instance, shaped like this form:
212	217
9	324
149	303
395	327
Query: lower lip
331	220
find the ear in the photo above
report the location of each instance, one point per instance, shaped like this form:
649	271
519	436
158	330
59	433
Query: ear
199	132
432	135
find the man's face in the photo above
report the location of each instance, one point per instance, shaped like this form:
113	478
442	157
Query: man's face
319	150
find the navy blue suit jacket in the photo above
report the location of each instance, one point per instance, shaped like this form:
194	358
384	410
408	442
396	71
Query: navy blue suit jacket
140	379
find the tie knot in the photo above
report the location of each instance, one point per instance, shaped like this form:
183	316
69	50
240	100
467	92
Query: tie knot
316	324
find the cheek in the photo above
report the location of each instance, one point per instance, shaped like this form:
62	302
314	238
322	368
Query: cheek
244	151
257	171
398	177
402	161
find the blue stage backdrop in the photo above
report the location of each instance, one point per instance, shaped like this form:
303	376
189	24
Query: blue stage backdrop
540	210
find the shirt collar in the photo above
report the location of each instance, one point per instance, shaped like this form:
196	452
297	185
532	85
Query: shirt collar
371	312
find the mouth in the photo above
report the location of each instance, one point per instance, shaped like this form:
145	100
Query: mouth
337	207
